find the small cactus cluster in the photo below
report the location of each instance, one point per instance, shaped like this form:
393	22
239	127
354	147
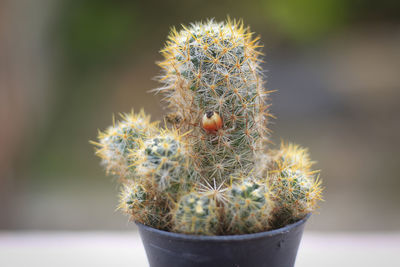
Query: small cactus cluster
208	171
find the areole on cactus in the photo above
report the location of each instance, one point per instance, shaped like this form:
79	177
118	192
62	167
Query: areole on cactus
209	171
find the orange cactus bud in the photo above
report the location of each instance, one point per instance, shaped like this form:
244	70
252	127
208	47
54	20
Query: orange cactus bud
212	122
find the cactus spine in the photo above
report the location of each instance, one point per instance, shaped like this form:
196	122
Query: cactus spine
180	178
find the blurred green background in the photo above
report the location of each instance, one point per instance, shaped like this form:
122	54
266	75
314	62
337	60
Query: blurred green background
67	65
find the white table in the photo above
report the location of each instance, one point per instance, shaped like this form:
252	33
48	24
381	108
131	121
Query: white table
59	249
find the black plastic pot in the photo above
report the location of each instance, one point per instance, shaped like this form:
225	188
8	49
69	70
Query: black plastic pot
276	248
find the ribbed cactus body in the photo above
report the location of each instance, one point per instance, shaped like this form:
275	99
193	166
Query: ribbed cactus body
214	67
293	184
119	140
196	214
163	162
248	208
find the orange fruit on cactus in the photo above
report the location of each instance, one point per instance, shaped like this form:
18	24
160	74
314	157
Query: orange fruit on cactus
211	121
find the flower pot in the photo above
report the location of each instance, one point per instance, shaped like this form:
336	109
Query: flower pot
272	248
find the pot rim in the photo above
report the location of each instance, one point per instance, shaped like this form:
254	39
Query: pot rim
242	237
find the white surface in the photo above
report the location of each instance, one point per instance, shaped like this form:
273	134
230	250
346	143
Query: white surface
61	249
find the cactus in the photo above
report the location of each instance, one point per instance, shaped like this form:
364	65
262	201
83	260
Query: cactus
163	161
141	205
117	142
213	68
196	214
209	171
294	186
248	208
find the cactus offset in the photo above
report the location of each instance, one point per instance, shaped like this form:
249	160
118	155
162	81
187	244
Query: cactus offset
163	162
196	214
294	186
180	178
117	142
248	208
141	205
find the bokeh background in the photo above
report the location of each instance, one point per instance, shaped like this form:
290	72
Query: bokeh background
67	65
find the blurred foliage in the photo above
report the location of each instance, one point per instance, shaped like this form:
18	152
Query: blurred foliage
92	32
90	39
305	20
